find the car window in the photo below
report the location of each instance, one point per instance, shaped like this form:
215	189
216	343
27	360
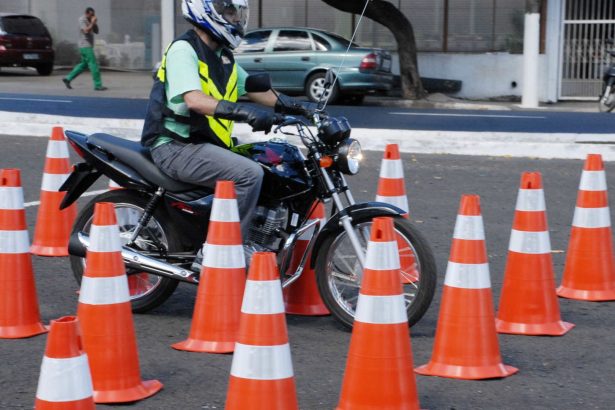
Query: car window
27	25
254	42
343	41
292	40
321	43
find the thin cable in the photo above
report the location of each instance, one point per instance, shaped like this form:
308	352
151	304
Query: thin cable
339	69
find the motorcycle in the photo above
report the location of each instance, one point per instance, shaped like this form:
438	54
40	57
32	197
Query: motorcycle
607	98
162	221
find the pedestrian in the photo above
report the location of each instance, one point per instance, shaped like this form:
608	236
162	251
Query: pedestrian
88	26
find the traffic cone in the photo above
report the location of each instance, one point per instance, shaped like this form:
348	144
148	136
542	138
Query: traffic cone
392	190
262	372
53	226
64	382
106	318
215	321
466	344
114	185
302	297
589	272
379	369
19	315
528	303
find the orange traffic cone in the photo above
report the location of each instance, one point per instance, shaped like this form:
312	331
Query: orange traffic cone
53	226
303	297
392	190
19	315
379	370
391	186
528	303
466	345
114	185
64	382
262	372
106	319
589	272
215	321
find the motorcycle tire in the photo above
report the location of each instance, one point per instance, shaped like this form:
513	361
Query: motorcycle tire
610	100
342	309
131	200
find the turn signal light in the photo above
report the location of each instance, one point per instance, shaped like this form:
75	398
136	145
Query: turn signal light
369	62
326	162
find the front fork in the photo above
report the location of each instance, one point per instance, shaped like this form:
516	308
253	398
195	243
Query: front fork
346	220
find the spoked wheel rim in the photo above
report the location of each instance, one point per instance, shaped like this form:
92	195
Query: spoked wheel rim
140	284
344	271
317	87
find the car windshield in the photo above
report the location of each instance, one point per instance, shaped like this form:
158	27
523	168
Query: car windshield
344	42
27	25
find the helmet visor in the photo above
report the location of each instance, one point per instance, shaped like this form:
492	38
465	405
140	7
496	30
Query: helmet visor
235	12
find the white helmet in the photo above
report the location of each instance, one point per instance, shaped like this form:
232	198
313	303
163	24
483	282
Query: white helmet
224	20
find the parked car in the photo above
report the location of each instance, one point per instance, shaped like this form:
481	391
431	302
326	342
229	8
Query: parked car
25	42
297	60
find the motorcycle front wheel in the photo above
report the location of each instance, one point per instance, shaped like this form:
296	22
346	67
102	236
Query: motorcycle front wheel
339	273
610	102
147	291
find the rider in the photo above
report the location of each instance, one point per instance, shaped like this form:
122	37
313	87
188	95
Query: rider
193	105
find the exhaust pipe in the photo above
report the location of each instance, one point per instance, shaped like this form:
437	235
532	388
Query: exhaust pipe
79	243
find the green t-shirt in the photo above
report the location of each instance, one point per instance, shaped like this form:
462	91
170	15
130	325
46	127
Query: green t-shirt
182	65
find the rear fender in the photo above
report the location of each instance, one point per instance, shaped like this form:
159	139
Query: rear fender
365	210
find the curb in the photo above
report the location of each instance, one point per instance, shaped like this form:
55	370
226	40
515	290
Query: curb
505	144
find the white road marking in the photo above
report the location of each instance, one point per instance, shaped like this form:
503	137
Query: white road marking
426	114
35	99
91	193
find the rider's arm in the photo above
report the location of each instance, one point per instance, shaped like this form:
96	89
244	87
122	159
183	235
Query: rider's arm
200	103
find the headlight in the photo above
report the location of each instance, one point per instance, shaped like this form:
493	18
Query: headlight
349	156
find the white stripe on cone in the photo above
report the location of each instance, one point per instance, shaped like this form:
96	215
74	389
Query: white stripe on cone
467	275
224	210
57	149
392	169
104	291
531	200
469	228
64	380
53	182
105	238
262	362
399	201
593	181
382	256
223	256
529	242
11	198
14	242
263	297
591	217
381	310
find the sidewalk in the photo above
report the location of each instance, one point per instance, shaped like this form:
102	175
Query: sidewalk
137	85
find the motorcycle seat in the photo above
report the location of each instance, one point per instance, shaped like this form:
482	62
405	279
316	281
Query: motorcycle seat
138	157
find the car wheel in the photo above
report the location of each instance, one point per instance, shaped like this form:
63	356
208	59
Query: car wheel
44	69
315	86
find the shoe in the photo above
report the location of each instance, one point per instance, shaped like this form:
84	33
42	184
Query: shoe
67	83
197	264
102	88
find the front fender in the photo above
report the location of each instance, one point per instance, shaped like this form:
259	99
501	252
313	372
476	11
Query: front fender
366	210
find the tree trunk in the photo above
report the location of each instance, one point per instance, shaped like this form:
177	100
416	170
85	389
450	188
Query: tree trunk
391	17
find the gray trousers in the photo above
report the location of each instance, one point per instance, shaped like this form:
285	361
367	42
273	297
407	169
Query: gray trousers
204	164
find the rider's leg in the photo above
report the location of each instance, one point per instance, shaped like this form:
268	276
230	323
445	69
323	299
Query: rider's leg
204	164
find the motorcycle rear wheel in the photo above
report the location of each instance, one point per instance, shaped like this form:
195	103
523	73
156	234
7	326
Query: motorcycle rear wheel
338	272
610	102
147	291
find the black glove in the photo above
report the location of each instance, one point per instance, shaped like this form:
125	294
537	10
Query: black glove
259	119
292	106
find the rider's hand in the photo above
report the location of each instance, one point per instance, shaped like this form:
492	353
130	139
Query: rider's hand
259	119
292	106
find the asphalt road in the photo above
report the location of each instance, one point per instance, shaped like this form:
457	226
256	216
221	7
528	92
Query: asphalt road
569	372
360	116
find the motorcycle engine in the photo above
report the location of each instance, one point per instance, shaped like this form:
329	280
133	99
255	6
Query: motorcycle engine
265	222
